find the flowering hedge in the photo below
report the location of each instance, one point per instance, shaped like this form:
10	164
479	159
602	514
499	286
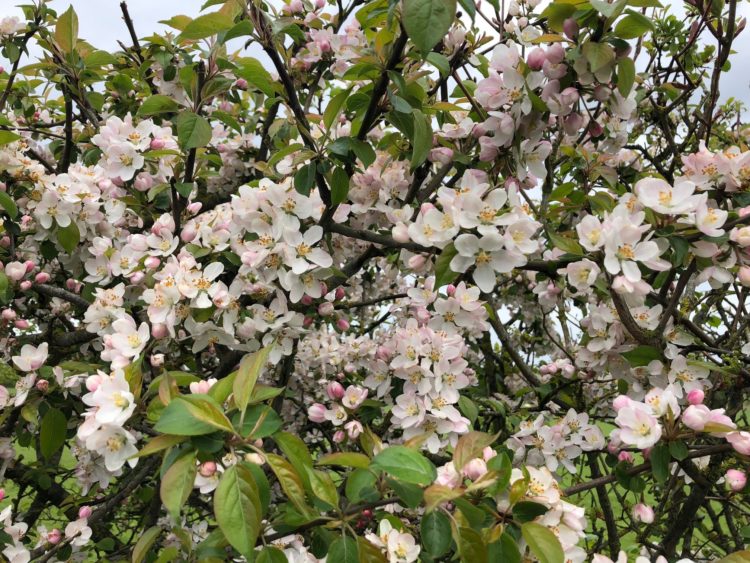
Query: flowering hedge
368	281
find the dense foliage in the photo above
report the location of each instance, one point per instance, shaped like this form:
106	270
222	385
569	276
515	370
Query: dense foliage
369	281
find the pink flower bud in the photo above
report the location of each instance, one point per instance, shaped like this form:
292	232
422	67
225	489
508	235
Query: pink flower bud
15	270
441	155
8	315
450	289
643	513
595	129
475	468
620	402
159	330
29	266
194	207
42	277
207	468
695	397
188	233
143	182
736	479
353	429
417	262
21	324
137	277
339	436
241	84
316	413
342	324
536	59
307	322
54	536
744	276
5	242
696	416
325	309
625	456
382	353
335	390
84	512
400	233
70	283
320	3
93	382
306	300
2	494
157	144
42	385
340	293
570	27
25	285
152	262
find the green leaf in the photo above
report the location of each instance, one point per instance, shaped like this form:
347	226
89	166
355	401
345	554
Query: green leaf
501	465
435	531
470	446
422	142
565	244
405	464
361	486
334	108
247	376
66	30
177	484
660	458
339	186
69	237
52	432
7	203
642	355
157	104
633	25
427	21
368	552
145	542
305	178
322	486
625	75
160	443
343	550
297	453
193	131
736	557
290	482
192	415
270	554
257	76
237	509
443	273
504	549
678	450
471	546
525	511
260	421
345	459
206	26
599	55
543	543
8	137
363	150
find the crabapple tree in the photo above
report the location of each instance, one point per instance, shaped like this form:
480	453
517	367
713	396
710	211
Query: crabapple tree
375	281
